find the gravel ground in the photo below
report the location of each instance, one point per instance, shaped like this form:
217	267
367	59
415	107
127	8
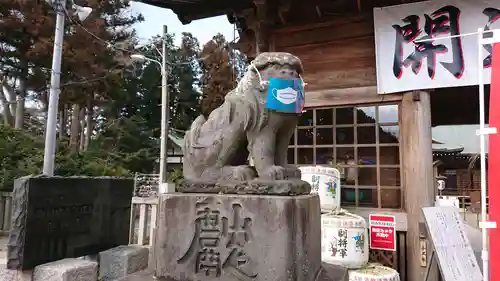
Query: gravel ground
139	276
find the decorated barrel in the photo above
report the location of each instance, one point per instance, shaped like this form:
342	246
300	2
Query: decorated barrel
325	181
344	239
375	272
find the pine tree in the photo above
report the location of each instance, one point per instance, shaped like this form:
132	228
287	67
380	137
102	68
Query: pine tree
186	102
218	75
23	26
89	65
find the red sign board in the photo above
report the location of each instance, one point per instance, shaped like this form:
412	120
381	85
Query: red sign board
383	232
494	164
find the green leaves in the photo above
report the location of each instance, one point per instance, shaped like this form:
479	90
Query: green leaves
21	154
101	92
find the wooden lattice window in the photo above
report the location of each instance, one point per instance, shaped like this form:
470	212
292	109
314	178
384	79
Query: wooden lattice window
363	143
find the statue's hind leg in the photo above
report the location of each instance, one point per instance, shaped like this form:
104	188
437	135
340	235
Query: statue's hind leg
238	173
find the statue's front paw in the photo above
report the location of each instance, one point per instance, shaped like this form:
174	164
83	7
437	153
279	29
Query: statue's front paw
243	173
274	173
292	172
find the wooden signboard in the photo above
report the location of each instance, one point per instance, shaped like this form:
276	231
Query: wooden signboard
451	246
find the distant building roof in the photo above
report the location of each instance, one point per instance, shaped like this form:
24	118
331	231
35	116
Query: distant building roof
176	138
451	138
188	10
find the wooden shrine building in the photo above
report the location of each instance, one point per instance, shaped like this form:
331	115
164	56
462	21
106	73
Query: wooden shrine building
381	142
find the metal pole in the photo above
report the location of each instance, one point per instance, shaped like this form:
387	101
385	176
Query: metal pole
51	125
164	111
482	132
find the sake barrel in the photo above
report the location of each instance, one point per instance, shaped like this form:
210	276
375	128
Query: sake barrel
375	272
344	239
325	181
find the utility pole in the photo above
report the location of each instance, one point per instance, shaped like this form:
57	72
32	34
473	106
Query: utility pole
51	125
55	82
165	111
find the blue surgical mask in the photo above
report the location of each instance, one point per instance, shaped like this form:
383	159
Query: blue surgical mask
284	95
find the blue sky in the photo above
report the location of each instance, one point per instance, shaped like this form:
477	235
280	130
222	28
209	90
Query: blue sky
155	18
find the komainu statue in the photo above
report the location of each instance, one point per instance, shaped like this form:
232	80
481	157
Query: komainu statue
217	148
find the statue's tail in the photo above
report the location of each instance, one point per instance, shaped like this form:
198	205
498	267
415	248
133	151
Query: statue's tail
192	135
190	141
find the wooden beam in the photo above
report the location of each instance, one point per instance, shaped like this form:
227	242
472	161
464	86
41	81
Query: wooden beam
318	11
283	11
342	28
418	183
246	43
348	96
346	18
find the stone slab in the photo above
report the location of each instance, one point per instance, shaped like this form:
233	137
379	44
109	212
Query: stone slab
245	237
122	261
254	187
67	217
332	272
66	270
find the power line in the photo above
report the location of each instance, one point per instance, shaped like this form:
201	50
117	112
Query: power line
110	45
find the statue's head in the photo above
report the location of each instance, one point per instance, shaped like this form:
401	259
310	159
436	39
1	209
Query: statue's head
270	71
278	65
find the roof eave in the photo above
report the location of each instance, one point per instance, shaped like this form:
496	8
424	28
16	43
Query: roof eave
189	10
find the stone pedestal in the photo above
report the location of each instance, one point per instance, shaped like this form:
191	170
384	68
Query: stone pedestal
238	237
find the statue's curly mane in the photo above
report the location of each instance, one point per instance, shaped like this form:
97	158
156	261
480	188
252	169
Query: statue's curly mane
248	91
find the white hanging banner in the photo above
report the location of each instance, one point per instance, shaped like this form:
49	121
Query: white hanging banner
404	63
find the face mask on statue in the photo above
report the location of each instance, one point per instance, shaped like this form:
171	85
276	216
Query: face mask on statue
283	95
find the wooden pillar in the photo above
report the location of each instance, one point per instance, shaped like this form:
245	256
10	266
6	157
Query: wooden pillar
416	152
261	26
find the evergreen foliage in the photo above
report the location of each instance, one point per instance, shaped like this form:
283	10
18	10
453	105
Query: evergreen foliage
109	113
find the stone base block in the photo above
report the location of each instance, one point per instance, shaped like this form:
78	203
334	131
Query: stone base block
245	237
66	270
15	275
122	261
292	187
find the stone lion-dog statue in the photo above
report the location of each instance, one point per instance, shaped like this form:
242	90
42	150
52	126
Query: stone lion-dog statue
217	148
